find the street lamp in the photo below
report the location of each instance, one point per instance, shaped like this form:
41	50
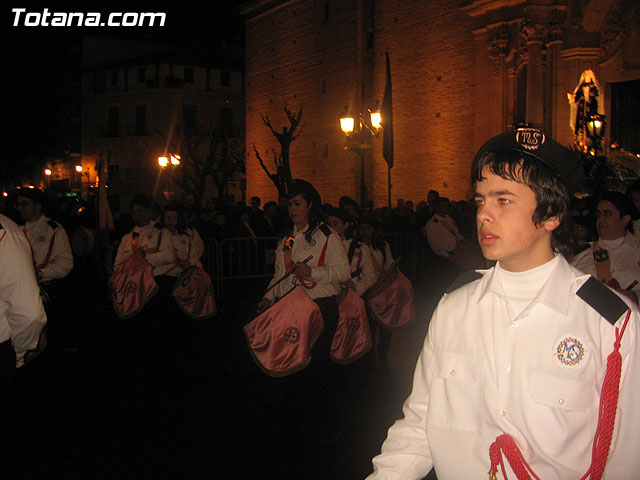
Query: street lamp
596	125
360	130
171	161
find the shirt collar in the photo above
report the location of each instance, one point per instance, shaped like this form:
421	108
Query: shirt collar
554	294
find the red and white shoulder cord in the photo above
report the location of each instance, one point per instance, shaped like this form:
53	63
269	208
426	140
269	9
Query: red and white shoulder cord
505	445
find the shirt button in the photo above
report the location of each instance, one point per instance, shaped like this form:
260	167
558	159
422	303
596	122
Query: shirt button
514	324
561	401
503	413
507	367
579	282
452	372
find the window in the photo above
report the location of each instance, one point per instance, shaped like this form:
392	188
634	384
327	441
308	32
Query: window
100	82
113	122
141	119
189	76
142	74
225	78
114	78
189	118
625	114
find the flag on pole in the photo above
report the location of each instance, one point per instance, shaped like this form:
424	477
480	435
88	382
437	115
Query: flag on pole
387	119
105	218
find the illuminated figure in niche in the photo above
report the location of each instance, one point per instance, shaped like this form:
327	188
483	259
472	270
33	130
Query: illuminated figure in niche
584	103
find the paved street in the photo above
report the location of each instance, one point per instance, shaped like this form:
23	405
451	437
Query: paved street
82	413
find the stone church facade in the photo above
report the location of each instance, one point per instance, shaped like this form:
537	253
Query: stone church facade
461	73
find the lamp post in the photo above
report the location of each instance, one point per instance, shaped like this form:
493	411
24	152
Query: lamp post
169	161
47	179
360	130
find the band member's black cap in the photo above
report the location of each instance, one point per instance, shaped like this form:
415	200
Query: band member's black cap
534	143
299	186
34	194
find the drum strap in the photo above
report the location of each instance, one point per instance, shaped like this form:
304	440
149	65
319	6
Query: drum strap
602	262
44	262
289	263
376	265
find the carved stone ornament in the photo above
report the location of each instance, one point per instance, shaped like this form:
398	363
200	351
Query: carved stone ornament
498	46
617	26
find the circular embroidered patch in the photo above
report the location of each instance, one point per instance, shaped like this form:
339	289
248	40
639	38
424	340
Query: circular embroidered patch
403	299
292	335
131	287
570	351
353	323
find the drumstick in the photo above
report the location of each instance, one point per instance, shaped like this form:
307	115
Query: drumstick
286	275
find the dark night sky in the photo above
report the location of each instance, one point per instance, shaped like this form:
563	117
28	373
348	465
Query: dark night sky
34	54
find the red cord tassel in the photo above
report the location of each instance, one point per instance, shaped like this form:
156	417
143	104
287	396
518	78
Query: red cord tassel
504	444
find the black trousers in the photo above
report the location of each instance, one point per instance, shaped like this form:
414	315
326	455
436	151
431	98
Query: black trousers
7	369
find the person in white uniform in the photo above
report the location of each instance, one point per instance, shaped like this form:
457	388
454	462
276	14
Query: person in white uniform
358	253
615	257
22	315
318	390
514	362
187	244
441	230
52	255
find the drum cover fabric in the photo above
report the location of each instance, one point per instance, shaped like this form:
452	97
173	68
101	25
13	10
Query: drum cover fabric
352	339
280	338
394	307
194	293
132	286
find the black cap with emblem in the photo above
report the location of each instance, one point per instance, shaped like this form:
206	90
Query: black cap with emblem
533	142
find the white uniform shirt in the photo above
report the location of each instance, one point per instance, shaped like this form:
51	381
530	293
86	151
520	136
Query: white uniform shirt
483	372
624	254
327	277
186	246
380	261
162	260
22	315
361	259
39	234
442	234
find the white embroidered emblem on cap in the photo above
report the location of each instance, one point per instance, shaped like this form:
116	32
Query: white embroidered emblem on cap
570	351
530	138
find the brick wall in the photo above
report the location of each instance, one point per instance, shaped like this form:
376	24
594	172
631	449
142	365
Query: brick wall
294	58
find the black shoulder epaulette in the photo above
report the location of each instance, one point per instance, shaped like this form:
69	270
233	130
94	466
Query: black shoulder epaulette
463	279
324	229
352	249
602	300
52	224
581	248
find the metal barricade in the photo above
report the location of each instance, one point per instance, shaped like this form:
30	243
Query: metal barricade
253	258
241	258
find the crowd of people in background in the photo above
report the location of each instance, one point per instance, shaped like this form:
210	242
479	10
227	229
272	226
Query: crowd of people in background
442	229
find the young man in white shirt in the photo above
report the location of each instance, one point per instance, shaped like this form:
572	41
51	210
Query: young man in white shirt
615	257
514	362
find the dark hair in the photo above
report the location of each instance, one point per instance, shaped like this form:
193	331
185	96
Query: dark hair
142	200
312	197
624	205
182	225
340	213
34	194
376	240
552	198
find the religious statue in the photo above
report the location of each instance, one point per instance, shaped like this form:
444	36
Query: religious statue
584	103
